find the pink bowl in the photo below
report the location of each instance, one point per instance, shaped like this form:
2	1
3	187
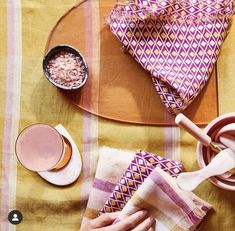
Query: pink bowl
204	154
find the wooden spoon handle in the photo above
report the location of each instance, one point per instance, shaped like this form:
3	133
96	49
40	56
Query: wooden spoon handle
184	122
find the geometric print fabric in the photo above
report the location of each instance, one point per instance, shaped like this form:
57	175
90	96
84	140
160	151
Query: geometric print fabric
177	42
139	169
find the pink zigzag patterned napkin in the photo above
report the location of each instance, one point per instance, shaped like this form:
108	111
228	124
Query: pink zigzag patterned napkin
176	41
139	169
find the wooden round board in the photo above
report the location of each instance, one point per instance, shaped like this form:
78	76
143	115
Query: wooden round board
117	87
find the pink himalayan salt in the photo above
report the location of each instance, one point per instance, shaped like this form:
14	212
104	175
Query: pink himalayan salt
66	69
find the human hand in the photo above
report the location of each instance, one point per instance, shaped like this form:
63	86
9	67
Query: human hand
138	221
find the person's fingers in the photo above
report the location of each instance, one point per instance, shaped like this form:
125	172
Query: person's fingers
145	225
151	229
131	221
104	220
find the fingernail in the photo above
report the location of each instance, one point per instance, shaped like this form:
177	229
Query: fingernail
144	212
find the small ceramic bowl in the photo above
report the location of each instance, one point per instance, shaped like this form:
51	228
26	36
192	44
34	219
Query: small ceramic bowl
51	55
204	154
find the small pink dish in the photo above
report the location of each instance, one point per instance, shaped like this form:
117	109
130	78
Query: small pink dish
40	147
204	154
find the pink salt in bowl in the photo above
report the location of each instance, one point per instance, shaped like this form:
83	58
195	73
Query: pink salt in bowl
65	67
204	154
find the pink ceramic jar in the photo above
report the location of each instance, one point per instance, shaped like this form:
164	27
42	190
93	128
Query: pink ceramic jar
204	154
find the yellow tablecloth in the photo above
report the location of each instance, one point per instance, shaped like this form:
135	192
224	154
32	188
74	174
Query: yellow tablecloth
26	98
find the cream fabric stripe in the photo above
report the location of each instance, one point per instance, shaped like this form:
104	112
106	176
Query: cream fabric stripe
172	140
11	123
172	143
90	122
16	99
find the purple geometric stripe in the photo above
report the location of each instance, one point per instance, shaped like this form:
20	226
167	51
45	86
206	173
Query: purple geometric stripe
170	192
103	185
128	175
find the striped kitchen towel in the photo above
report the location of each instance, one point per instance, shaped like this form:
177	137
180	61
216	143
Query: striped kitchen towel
172	208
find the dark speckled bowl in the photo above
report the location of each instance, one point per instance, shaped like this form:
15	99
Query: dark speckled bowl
50	54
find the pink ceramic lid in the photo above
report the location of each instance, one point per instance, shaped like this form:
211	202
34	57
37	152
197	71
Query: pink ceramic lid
39	147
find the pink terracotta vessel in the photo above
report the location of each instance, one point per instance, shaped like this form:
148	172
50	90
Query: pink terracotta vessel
204	154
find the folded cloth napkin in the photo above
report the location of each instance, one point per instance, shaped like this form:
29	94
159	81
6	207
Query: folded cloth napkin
139	169
111	166
177	41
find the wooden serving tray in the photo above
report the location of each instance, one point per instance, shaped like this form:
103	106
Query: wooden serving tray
117	87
